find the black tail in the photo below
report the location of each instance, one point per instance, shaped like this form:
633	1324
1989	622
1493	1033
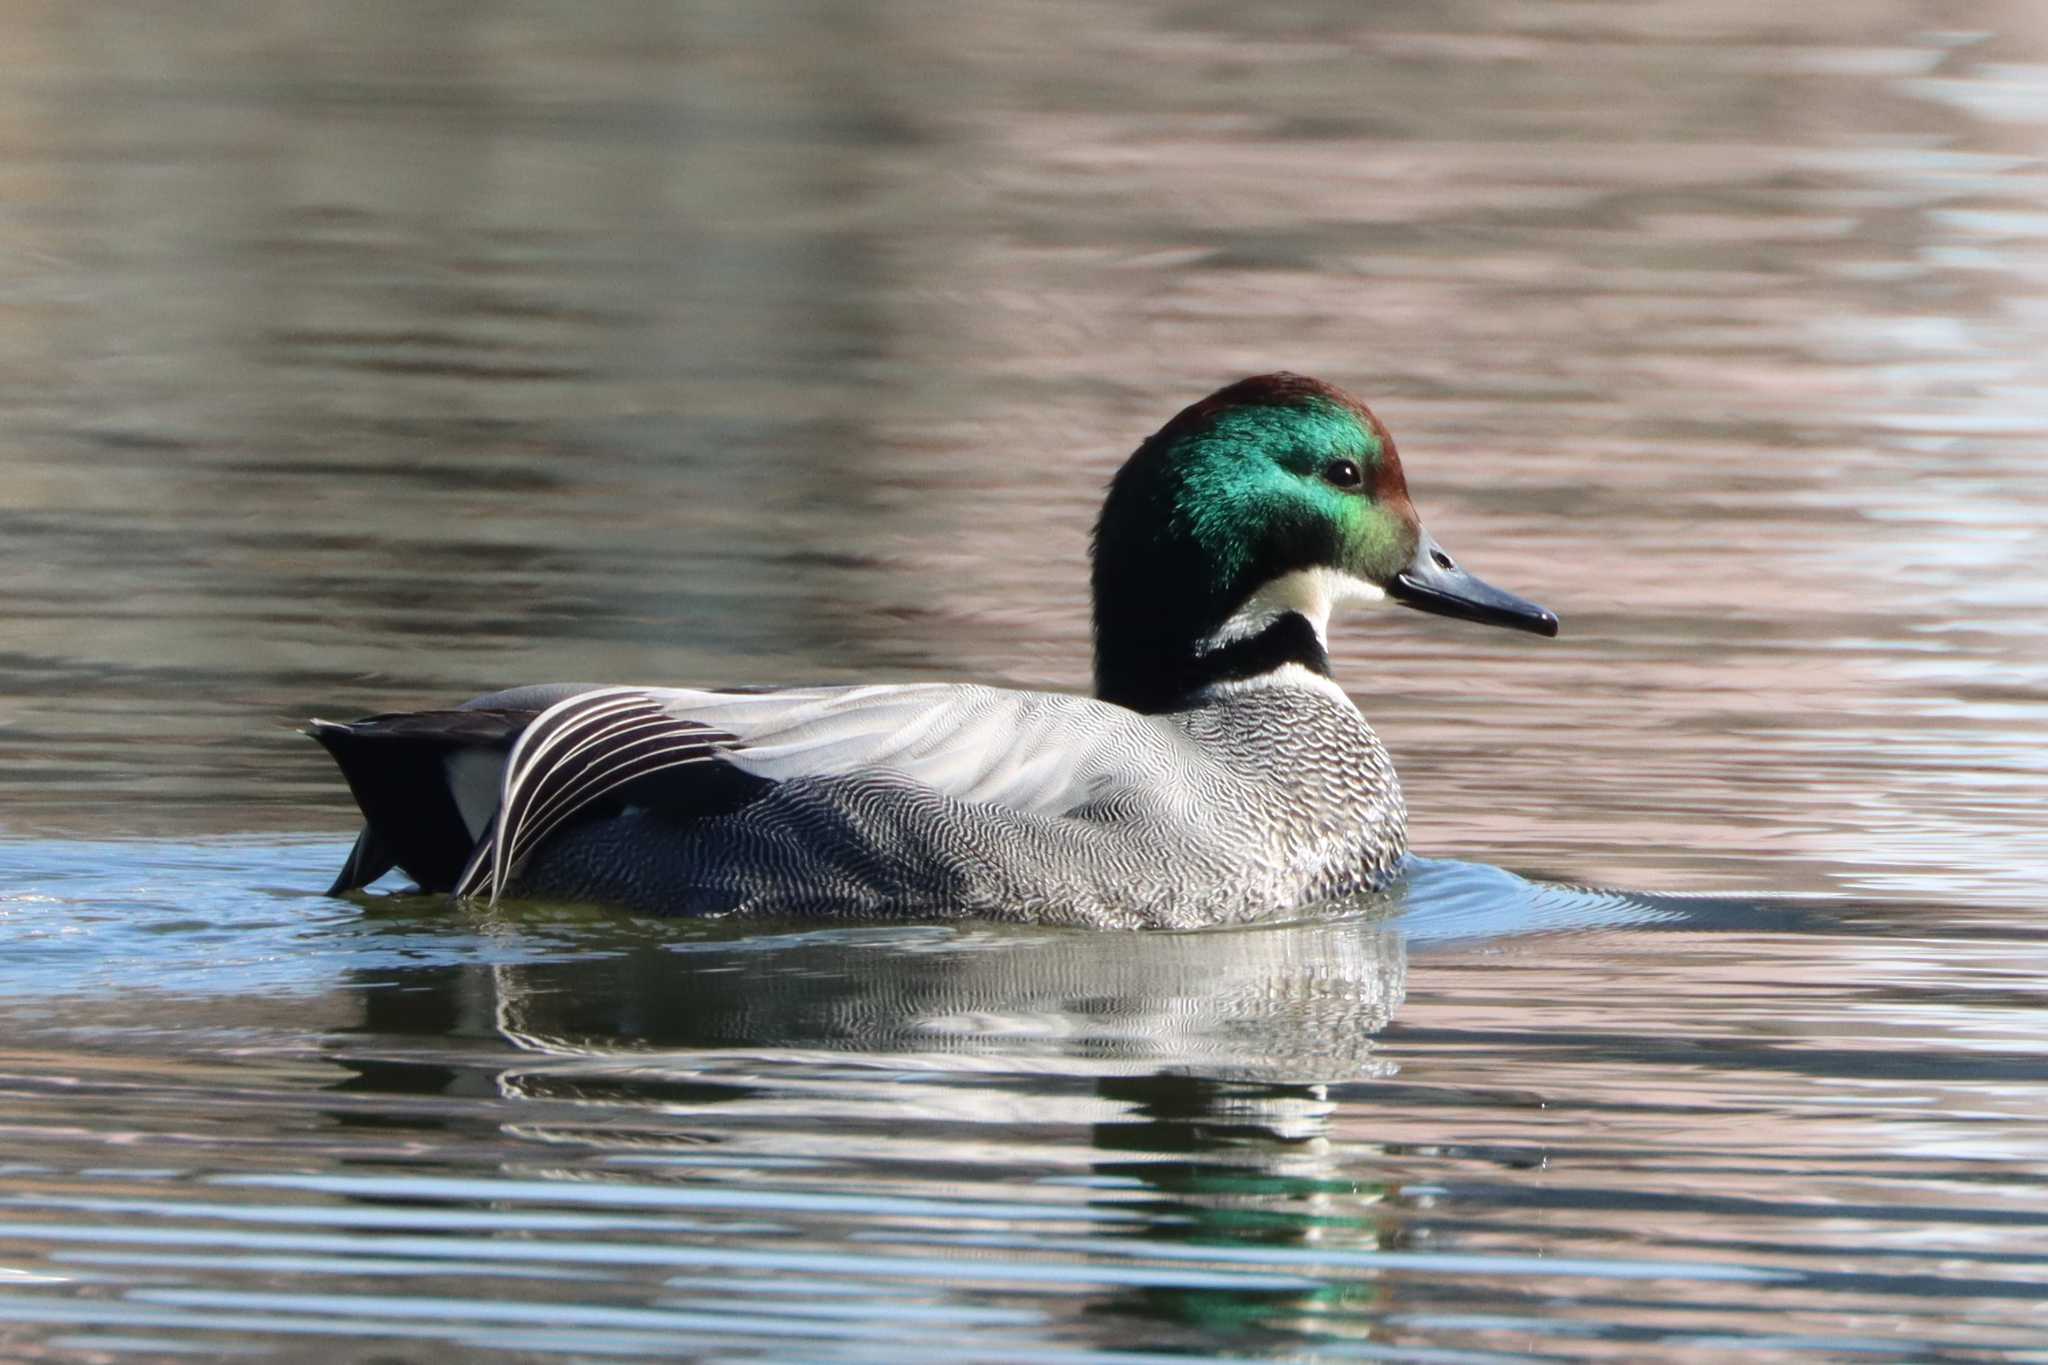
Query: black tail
427	784
367	861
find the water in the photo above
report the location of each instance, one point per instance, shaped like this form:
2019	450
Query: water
366	358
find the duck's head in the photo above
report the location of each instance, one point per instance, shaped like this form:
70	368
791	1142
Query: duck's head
1231	533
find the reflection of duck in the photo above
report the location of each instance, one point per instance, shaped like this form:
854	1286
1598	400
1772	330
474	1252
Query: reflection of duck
1220	775
953	1069
1295	1002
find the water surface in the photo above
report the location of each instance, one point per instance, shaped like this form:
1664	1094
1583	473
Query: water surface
362	359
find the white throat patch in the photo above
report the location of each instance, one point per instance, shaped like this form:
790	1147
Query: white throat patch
1308	593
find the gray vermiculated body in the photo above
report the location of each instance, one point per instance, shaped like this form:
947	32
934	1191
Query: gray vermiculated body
1265	799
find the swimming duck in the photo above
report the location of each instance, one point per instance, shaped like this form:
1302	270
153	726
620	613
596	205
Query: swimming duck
1219	774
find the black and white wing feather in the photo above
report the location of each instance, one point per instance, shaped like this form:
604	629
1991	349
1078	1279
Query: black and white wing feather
1038	752
576	752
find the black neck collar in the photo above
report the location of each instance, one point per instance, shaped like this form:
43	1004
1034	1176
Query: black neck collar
1164	680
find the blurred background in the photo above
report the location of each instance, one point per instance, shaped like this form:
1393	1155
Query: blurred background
370	356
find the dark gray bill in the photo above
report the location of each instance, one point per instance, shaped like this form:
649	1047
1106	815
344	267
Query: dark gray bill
1434	582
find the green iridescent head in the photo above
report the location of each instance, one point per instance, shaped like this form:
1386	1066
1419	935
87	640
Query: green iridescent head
1228	536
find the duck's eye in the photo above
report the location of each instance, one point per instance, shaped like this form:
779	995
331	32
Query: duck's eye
1344	473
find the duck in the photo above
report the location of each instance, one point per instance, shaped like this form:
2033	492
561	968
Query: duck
1218	775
